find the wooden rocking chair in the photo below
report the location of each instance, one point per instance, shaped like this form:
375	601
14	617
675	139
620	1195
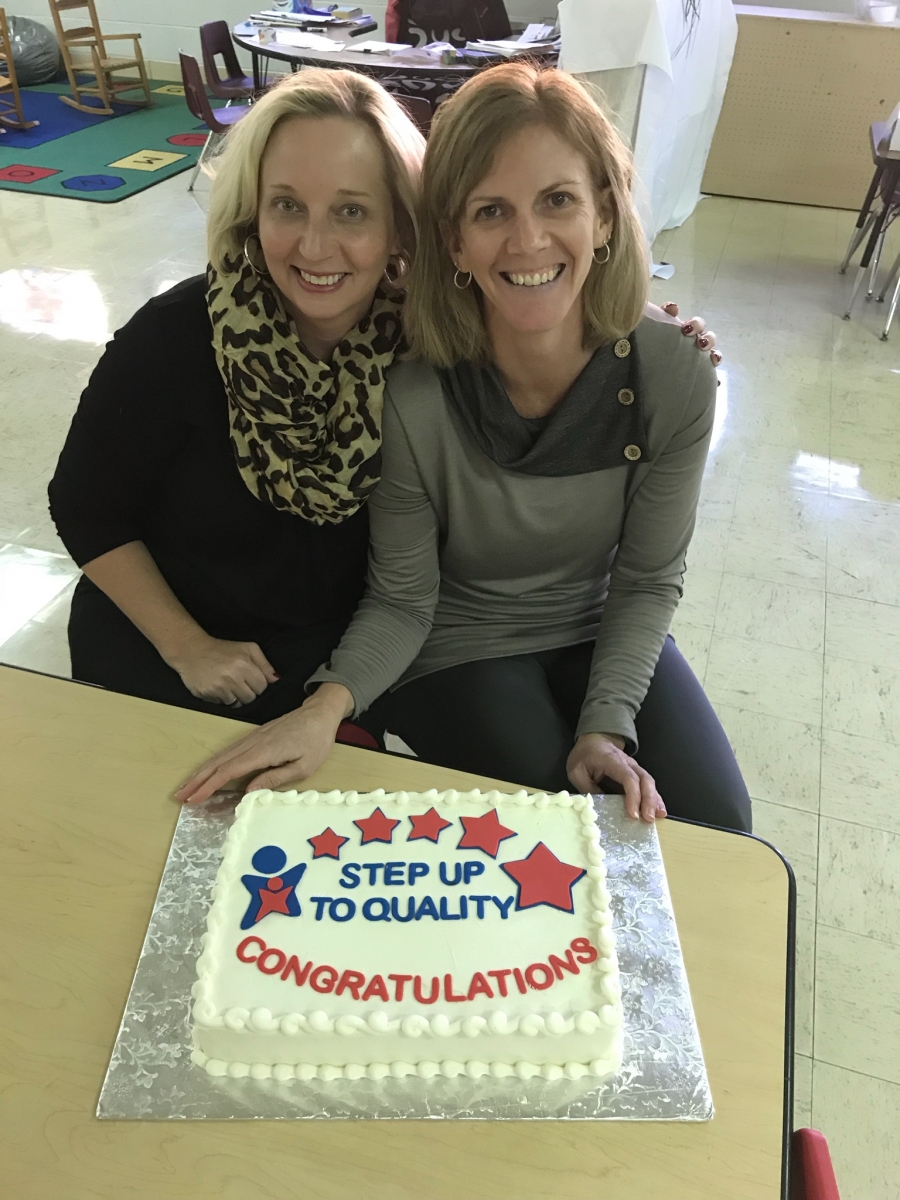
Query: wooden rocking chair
11	115
103	67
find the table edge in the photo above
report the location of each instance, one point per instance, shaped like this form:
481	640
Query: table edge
789	995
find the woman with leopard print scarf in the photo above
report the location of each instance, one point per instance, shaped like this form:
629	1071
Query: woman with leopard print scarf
213	484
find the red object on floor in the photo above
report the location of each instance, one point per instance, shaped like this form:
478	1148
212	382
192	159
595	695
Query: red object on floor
351	735
812	1175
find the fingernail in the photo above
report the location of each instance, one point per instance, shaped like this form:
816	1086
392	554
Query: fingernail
716	357
703	342
687	330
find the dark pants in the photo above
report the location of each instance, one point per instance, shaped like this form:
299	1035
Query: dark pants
514	718
109	650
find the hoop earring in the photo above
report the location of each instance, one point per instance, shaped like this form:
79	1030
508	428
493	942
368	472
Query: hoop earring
601	261
401	271
249	260
462	286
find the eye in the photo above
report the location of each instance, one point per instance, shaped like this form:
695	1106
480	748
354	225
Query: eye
355	212
284	204
487	212
560	199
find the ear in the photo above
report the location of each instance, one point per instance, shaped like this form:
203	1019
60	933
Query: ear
604	219
453	244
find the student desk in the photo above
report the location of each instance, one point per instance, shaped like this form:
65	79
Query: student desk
86	828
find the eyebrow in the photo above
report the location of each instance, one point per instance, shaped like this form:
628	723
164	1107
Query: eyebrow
552	188
287	187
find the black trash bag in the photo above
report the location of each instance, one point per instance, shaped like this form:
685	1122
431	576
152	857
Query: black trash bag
35	51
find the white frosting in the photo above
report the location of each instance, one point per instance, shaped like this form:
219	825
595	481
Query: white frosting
267	1002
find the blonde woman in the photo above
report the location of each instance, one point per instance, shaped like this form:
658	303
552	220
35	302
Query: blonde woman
214	480
542	464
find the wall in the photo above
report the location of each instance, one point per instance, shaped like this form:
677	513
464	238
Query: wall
850	7
167	26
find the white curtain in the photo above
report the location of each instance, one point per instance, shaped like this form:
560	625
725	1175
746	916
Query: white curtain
663	65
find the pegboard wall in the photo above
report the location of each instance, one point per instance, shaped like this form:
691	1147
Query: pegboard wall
801	96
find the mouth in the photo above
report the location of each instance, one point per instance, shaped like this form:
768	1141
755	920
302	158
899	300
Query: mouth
319	283
532	279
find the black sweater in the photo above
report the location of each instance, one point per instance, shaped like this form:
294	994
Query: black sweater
148	457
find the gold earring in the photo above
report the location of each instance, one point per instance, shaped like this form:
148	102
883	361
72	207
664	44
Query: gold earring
462	286
601	261
249	260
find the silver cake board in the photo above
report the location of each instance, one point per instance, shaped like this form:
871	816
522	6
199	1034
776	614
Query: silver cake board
663	1076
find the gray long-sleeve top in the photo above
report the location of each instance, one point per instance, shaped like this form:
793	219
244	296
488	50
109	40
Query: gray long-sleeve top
470	560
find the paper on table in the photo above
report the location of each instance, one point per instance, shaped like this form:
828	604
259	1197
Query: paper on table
538	33
603	35
306	41
380	47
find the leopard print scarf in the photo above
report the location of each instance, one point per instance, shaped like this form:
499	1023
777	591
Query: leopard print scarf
306	434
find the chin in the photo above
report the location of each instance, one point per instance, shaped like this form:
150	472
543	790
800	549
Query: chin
534	322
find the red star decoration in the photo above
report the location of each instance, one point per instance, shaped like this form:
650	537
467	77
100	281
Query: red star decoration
327	844
430	825
377	828
484	833
543	879
273	898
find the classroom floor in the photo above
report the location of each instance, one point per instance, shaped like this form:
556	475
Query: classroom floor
791	612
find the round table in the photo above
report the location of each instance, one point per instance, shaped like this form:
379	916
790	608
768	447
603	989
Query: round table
384	66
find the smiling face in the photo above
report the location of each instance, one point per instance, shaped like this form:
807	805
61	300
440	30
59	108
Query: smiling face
326	224
528	233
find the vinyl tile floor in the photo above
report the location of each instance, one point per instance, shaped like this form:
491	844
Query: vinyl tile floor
791	611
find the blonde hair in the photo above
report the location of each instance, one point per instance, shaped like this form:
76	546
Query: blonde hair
445	324
234	199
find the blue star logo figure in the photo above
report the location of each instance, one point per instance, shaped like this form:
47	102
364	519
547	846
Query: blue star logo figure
275	894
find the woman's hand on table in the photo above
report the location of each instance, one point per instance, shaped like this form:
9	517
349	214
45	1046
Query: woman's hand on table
597	756
287	749
704	339
229	672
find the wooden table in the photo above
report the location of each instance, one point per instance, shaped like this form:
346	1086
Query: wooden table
86	829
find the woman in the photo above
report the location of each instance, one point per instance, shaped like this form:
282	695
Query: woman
539	485
213	483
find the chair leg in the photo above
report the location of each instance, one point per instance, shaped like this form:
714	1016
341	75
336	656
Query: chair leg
142	70
859	233
889	279
857	284
199	163
863	220
876	261
891	311
211	140
103	81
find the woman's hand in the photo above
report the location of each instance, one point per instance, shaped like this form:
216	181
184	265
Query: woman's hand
599	755
229	672
289	748
704	339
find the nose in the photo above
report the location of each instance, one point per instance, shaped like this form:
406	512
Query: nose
528	234
316	241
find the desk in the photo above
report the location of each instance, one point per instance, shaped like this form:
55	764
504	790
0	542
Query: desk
86	829
379	65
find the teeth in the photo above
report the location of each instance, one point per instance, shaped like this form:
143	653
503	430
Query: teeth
535	279
322	280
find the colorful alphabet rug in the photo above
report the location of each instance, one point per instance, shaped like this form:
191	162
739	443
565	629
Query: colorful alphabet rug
104	159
